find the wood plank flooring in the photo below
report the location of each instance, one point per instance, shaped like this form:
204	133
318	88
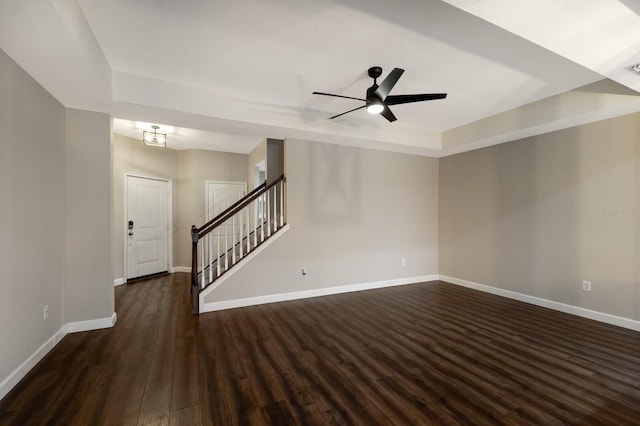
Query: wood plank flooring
430	353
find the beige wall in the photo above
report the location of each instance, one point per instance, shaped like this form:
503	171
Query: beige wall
131	156
195	167
188	170
32	211
539	215
257	156
353	214
89	286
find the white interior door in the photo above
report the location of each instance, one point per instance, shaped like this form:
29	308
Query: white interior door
221	195
147	226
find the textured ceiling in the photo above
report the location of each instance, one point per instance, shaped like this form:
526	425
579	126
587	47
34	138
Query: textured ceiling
247	68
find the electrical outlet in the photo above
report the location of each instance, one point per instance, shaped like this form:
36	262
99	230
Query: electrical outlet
586	285
403	262
45	312
303	270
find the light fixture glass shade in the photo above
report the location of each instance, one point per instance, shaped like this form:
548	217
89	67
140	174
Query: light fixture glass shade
154	138
375	108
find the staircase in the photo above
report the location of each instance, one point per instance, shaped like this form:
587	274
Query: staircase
220	244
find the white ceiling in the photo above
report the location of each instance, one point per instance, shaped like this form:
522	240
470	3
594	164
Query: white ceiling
226	74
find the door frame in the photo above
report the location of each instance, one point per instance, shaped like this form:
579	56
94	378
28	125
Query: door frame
125	229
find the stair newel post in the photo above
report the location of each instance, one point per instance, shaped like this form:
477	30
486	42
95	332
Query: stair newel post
195	293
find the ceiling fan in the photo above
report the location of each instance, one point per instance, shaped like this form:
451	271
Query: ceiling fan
378	98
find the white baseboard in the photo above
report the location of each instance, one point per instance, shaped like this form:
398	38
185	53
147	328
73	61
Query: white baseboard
95	324
119	281
250	301
10	381
545	303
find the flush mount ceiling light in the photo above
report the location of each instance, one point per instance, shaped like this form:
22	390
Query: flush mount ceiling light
154	138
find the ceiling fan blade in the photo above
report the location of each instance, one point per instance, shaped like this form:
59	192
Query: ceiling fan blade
385	87
405	99
338	96
386	113
351	110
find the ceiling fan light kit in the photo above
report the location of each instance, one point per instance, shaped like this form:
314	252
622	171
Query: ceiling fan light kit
378	98
375	108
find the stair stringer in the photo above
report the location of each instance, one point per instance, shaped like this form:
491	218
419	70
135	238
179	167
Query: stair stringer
240	264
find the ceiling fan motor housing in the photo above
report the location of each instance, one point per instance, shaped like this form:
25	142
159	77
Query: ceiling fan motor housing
372	98
375	72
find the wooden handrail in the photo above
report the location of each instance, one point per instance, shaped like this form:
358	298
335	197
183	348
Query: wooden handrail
235	208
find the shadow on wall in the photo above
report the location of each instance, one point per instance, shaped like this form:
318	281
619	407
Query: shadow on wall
537	208
334	184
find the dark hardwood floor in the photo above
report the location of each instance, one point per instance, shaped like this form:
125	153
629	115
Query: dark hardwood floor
430	353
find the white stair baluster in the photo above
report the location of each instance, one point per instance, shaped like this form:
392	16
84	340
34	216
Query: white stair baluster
226	248
201	247
240	217
268	214
209	243
218	251
281	203
255	221
248	231
233	239
262	204
275	214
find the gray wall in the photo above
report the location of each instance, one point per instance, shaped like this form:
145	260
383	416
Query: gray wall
354	213
89	286
32	215
275	159
539	215
55	223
